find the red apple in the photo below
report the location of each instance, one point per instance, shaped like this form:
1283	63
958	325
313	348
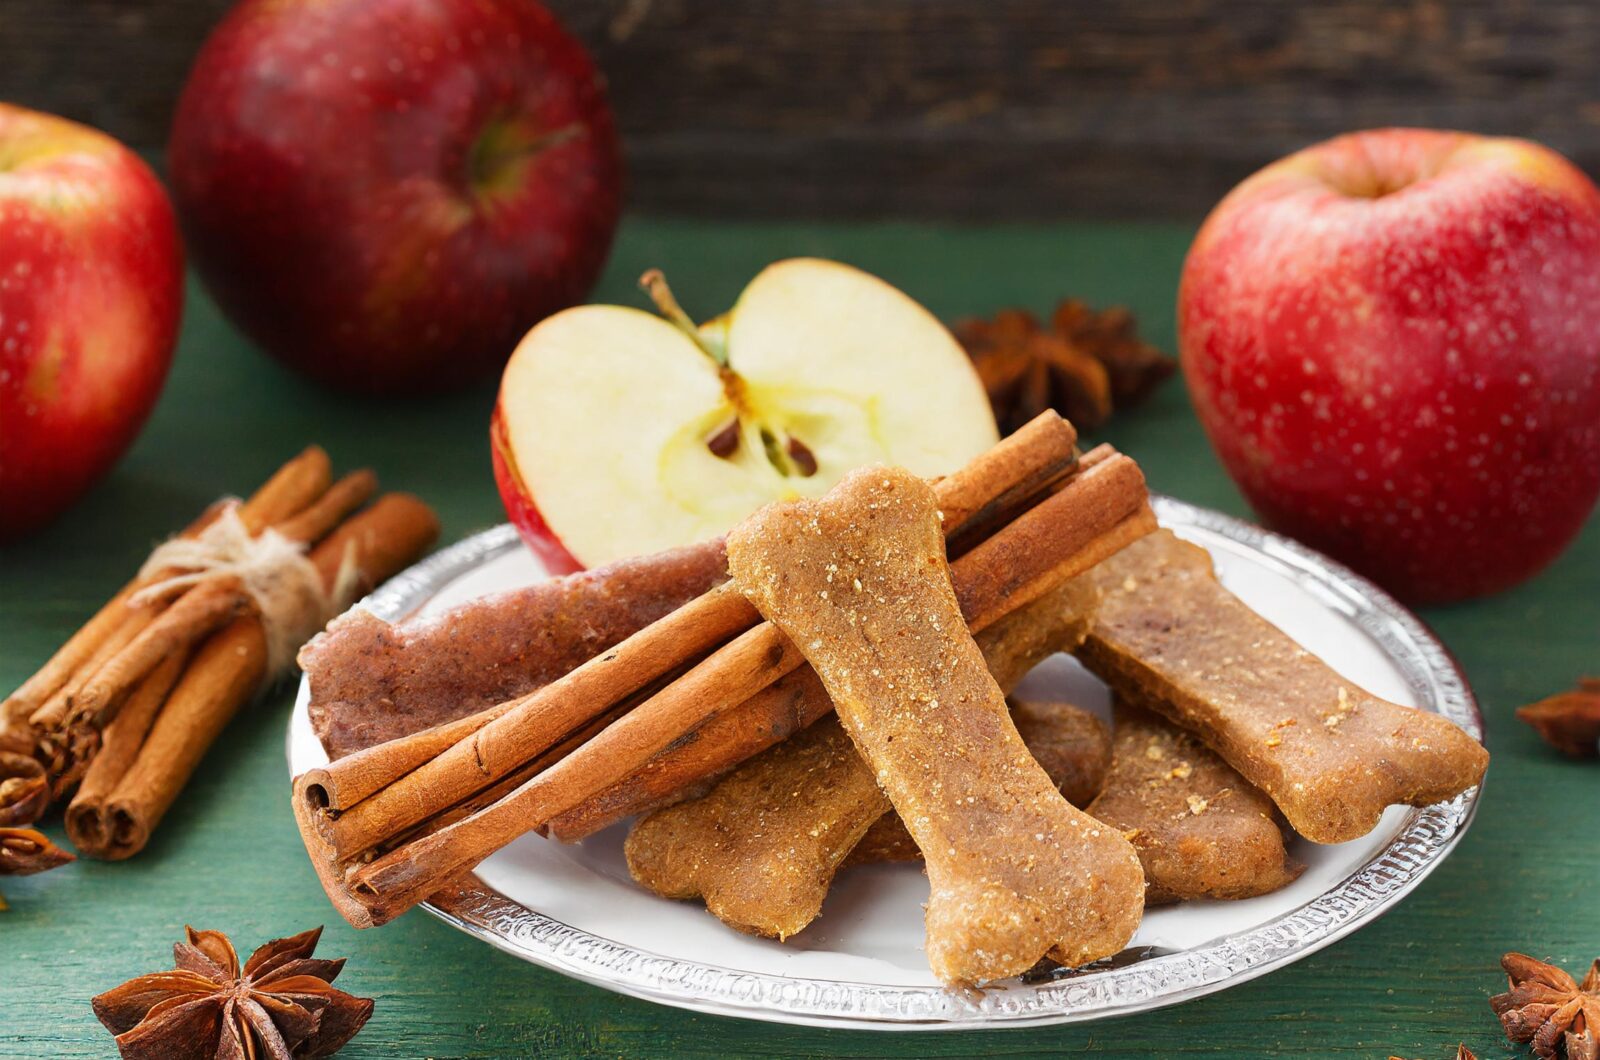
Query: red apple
387	193
91	289
1393	341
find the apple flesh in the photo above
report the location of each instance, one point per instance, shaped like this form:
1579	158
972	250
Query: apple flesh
386	194
91	290
619	432
1393	341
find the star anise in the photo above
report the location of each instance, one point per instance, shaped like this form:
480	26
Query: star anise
1547	1009
1084	365
1569	721
281	1005
24	852
1111	336
24	789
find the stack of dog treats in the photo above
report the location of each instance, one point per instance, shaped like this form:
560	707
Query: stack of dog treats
121	715
704	704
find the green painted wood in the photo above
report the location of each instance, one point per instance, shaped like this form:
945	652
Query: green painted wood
228	856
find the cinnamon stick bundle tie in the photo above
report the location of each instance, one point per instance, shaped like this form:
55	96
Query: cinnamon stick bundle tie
269	568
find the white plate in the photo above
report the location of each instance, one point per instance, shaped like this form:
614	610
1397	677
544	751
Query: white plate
574	909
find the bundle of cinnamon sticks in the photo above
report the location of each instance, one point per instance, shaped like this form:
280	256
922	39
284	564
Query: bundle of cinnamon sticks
684	699
124	711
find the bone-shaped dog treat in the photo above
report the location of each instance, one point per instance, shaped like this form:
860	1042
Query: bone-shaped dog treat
1201	830
1072	745
763	845
1330	754
859	582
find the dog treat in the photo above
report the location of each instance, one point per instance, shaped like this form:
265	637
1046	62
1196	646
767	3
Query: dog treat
376	864
1331	755
859	582
763	845
1102	509
1201	830
374	681
1072	745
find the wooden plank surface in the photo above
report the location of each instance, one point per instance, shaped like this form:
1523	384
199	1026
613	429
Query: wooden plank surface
948	108
228	857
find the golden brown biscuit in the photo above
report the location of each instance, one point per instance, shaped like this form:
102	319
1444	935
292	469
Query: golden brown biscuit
1330	754
1072	745
1201	830
762	846
859	582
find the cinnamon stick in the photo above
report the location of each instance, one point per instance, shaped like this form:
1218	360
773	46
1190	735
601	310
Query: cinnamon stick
53	712
513	733
44	698
289	491
204	608
531	724
87	825
188	619
230	666
993	486
321	516
1065	534
72	656
1050	542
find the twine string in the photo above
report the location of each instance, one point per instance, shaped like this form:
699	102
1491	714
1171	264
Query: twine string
273	571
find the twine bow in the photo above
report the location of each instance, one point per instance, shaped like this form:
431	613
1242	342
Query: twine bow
272	571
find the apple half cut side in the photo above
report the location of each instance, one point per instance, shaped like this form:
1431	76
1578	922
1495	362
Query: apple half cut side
619	432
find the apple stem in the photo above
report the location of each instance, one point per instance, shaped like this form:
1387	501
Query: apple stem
655	285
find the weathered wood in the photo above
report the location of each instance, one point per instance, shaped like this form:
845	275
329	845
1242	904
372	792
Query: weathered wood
1007	108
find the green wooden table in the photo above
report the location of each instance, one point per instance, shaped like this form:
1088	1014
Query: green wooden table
228	856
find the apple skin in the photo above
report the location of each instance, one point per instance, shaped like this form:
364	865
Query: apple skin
1393	342
91	291
386	194
520	509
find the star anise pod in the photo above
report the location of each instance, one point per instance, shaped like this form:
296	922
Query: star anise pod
24	789
1084	365
1569	721
281	1005
1111	336
24	852
1547	1009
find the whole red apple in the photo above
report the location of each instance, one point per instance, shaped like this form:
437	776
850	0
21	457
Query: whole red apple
386	194
1393	341
91	289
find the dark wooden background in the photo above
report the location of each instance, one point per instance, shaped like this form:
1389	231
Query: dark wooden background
977	109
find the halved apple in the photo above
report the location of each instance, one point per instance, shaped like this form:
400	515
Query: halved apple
619	432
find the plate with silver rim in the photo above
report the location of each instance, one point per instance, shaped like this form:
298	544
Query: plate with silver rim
573	908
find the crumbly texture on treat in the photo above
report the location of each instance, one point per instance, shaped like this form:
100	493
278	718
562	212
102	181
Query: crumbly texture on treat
373	681
763	845
1201	830
1072	745
1331	755
859	582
